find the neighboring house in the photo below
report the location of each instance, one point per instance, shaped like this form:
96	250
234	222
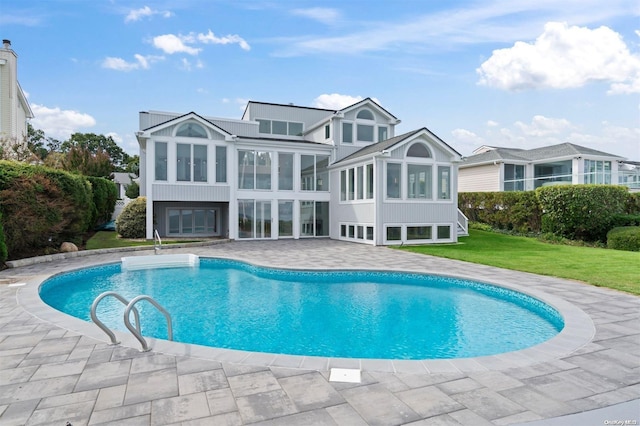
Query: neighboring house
14	108
509	169
122	180
285	171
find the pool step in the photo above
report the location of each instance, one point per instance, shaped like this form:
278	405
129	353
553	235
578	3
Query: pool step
133	263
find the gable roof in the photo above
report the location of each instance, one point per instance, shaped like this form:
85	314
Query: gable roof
183	117
551	152
368	101
390	143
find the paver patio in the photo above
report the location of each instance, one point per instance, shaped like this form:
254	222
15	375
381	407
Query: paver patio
55	369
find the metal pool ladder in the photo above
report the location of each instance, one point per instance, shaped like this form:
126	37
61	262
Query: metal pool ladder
130	306
157	242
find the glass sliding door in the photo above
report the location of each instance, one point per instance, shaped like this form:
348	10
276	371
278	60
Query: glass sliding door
314	218
263	219
254	219
245	218
285	218
306	219
197	221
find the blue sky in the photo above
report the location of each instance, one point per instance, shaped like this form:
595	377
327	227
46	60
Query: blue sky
510	73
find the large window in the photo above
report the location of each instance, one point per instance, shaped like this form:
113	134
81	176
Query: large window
419	181
193	221
263	170
314	218
285	171
382	133
514	177
393	180
356	183
191	160
191	130
444	183
221	164
597	171
365	132
314	173
559	172
246	169
347	132
365	126
276	127
161	160
254	169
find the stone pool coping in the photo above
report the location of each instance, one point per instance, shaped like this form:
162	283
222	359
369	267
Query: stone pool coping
578	331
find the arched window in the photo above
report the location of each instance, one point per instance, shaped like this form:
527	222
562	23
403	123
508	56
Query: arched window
418	150
191	130
365	114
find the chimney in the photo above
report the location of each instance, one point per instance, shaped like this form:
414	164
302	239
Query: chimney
6	43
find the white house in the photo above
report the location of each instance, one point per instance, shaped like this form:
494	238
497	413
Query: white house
14	108
510	169
285	171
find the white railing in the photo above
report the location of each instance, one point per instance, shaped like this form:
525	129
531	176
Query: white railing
463	224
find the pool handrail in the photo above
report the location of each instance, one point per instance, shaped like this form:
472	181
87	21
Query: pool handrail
136	332
157	242
103	327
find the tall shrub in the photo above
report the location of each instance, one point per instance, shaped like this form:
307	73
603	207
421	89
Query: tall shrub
581	212
42	207
3	245
517	211
105	195
132	222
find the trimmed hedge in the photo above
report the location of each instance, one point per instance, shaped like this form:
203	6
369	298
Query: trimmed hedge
3	246
512	211
132	221
624	238
105	195
42	207
581	212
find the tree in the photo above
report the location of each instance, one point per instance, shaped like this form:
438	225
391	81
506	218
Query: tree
81	160
95	143
132	190
39	144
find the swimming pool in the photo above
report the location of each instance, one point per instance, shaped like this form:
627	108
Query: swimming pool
350	314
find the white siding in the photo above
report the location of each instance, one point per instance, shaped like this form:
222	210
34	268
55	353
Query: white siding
479	179
190	192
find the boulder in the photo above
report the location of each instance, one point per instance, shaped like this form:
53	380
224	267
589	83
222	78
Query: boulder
68	247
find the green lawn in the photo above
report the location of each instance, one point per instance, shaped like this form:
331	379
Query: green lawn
601	267
109	239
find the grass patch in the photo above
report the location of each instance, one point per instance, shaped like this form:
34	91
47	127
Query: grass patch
614	269
109	239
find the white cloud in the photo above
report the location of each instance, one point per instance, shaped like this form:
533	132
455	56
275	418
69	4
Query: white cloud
59	124
119	64
564	57
138	14
466	136
492	123
210	38
324	15
490	21
335	101
170	43
543	126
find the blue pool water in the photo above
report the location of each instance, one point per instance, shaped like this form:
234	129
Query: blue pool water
352	314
